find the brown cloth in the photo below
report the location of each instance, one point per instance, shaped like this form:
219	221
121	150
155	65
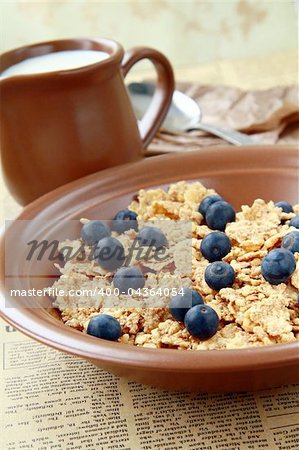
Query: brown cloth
270	116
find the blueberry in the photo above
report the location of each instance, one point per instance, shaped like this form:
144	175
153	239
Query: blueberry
219	274
105	327
181	303
219	214
152	237
202	321
285	206
278	266
128	278
125	220
294	222
94	231
110	253
215	246
291	241
207	202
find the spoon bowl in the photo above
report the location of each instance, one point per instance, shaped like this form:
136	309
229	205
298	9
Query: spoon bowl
184	114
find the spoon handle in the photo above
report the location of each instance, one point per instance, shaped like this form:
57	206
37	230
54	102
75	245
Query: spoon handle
232	136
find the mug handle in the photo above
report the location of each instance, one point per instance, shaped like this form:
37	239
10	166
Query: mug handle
162	98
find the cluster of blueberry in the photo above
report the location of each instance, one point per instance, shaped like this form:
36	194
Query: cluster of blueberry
217	214
199	319
279	265
109	253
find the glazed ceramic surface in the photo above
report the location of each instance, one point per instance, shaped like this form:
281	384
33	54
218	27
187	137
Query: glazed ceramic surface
239	174
60	125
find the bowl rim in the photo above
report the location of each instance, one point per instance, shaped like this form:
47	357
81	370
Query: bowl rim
56	335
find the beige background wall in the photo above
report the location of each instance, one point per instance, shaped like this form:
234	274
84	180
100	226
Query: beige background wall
189	32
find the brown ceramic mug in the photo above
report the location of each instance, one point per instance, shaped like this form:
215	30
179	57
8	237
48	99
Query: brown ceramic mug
60	125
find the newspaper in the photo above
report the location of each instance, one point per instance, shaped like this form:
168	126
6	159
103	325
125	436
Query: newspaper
51	400
269	116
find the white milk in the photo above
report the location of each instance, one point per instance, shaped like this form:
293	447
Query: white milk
69	59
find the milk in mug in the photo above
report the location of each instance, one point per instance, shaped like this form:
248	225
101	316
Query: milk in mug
52	62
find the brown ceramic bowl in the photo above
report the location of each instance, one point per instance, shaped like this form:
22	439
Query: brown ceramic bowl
240	174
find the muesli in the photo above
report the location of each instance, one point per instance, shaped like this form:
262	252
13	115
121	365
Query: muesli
232	282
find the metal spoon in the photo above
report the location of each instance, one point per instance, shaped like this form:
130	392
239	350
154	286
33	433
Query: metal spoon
183	115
